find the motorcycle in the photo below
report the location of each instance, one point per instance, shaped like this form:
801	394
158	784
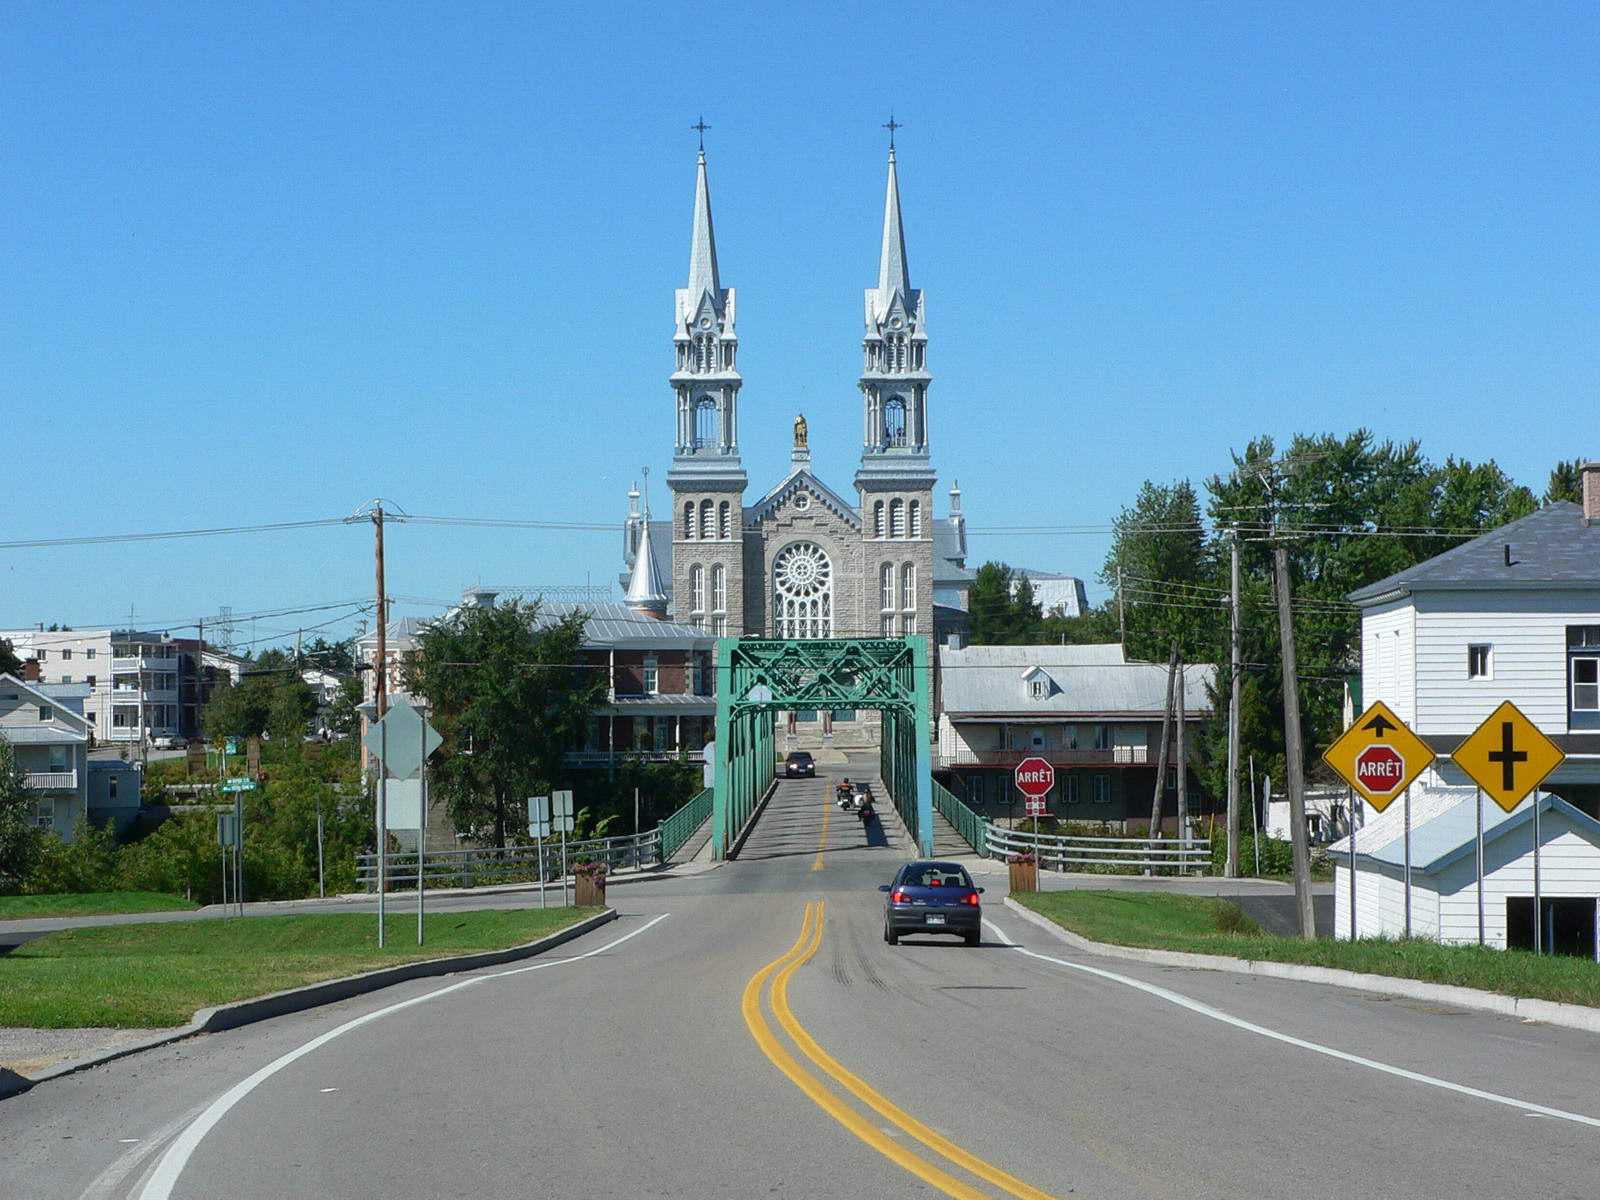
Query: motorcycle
847	797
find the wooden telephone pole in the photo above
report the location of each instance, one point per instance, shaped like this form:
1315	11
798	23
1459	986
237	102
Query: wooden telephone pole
1166	742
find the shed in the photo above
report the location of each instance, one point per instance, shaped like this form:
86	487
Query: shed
1444	875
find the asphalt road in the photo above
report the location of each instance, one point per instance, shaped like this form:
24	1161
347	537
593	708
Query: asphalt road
653	1058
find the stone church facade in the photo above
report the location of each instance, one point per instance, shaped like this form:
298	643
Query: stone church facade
801	560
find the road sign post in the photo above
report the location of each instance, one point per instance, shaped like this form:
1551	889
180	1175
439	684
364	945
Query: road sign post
1379	757
402	741
561	806
1508	757
538	830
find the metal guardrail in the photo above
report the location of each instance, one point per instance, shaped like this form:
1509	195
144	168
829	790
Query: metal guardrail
681	825
514	864
967	823
1185	856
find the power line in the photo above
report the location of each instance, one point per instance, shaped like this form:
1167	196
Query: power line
105	539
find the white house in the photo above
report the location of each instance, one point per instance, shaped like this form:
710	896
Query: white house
46	726
1444	872
133	678
1511	615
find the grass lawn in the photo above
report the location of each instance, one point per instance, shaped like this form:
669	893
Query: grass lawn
1202	925
90	904
160	974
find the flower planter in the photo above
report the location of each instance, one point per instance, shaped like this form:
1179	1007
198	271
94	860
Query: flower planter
1024	877
589	891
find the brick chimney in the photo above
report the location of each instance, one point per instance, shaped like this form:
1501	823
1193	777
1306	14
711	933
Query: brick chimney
30	670
1590	474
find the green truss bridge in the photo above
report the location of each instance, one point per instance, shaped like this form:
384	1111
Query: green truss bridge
760	677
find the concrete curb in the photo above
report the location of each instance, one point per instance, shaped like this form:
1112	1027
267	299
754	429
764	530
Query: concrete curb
261	1008
1549	1012
743	835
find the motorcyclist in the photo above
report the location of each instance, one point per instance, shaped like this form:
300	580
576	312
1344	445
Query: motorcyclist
866	812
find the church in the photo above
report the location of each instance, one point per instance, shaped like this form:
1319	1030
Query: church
802	559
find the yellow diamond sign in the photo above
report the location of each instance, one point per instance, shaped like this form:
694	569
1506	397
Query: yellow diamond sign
1378	756
1507	756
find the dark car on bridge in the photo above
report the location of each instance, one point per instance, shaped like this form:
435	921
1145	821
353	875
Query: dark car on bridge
800	764
932	897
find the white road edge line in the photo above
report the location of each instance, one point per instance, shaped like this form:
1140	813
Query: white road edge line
165	1177
1216	1014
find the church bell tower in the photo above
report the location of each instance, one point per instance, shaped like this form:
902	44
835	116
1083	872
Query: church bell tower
707	478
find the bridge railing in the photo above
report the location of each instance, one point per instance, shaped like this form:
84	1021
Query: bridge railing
681	825
513	864
1125	855
967	823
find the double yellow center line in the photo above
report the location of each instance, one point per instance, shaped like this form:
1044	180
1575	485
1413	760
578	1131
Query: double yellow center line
780	970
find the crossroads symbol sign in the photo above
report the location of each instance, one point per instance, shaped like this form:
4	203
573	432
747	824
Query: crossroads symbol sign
1378	756
1507	756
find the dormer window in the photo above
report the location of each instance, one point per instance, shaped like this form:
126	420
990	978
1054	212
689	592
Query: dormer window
1039	688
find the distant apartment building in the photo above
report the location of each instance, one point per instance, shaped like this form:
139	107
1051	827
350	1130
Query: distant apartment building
49	732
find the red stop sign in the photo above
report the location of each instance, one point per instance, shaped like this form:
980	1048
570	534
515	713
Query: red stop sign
1380	769
1035	777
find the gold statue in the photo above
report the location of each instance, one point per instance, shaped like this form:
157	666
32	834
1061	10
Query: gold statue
800	432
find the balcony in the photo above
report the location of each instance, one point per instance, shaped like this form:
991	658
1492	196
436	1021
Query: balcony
52	781
131	696
1122	756
119	663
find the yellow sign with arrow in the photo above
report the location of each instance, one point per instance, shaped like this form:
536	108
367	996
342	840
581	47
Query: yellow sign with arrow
1378	756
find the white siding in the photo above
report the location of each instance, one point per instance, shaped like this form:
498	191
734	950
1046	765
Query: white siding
1569	865
1388	636
1528	635
1381	903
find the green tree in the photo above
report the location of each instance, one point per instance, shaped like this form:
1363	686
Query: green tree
10	664
1161	562
338	657
235	710
343	718
1002	607
507	695
20	838
1565	482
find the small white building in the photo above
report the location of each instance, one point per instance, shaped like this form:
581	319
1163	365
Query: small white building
1444	872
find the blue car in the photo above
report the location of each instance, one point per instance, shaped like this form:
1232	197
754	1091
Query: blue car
932	897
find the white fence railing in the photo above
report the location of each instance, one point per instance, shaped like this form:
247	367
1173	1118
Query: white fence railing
469	868
1187	856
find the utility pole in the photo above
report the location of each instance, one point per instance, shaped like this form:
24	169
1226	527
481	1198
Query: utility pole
381	699
1166	741
1291	744
1122	616
1183	754
1236	661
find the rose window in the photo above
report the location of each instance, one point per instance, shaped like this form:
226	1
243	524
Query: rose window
802	592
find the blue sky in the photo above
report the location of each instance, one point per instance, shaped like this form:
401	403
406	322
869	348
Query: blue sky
265	263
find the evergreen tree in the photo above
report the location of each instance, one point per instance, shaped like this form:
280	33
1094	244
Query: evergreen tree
1565	482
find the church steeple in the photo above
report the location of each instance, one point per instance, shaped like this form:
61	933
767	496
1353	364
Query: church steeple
894	378
706	382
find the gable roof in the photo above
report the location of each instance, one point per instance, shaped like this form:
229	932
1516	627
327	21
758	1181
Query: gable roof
797	480
78	724
1444	828
1554	546
986	682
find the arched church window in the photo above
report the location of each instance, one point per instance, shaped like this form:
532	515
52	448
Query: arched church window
688	519
705	422
886	611
697	595
708	520
908	598
725	524
916	518
894	422
719	589
897	518
802	592
877	519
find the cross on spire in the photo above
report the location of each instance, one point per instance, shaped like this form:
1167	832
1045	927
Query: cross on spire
700	127
891	125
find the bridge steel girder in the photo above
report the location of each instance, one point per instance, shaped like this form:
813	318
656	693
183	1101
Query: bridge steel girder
759	677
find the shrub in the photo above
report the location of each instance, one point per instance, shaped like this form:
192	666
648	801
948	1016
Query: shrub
85	864
1231	918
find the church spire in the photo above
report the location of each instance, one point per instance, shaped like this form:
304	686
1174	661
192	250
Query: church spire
647	591
892	273
703	276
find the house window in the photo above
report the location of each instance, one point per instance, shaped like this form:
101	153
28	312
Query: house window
1070	792
111	786
719	588
89	679
66	654
58	758
44	655
908	598
1038	689
652	675
663	729
44	814
1102	789
66	679
1036	739
1478	662
698	675
1583	673
46	713
89	653
697	592
1102	738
